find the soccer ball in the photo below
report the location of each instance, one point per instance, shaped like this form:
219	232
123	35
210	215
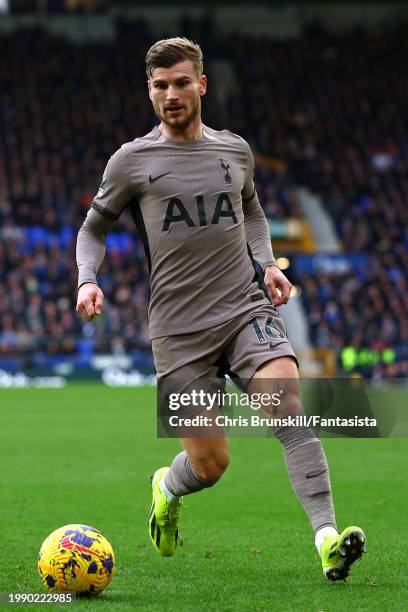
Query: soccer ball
76	558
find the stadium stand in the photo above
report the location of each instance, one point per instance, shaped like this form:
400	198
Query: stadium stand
316	104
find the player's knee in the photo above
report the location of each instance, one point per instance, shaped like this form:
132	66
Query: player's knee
290	404
211	468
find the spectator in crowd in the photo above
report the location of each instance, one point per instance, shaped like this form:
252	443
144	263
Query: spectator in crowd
331	107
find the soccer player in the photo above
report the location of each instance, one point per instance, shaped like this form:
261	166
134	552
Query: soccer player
191	192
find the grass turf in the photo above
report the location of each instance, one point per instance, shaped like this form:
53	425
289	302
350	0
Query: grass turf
84	454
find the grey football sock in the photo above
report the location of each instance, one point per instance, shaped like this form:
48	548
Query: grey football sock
181	478
309	473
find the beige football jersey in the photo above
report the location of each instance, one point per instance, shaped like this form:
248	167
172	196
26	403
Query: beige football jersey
197	213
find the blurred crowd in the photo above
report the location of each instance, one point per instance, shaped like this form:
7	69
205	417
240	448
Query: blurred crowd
366	311
334	109
37	300
331	108
372	312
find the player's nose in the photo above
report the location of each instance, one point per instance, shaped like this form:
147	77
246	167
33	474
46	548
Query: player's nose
172	93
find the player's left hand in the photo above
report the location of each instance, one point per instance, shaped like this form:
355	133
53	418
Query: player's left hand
278	285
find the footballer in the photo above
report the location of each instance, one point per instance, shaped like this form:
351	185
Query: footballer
215	288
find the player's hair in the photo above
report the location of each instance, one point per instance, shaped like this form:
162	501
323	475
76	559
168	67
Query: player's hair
169	51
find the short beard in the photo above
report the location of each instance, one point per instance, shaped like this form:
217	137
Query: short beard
180	126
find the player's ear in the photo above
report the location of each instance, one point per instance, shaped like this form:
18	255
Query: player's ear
203	84
149	87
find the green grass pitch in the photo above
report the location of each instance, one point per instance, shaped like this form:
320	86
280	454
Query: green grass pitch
84	454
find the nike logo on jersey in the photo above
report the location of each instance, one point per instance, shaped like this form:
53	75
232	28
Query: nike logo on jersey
156	178
314	474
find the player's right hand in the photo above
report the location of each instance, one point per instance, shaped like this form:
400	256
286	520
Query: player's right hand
90	301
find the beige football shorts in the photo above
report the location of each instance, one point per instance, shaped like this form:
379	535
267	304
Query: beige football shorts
236	348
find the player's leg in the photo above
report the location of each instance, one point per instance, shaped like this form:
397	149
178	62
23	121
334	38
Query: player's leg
309	474
304	455
260	353
199	466
185	364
